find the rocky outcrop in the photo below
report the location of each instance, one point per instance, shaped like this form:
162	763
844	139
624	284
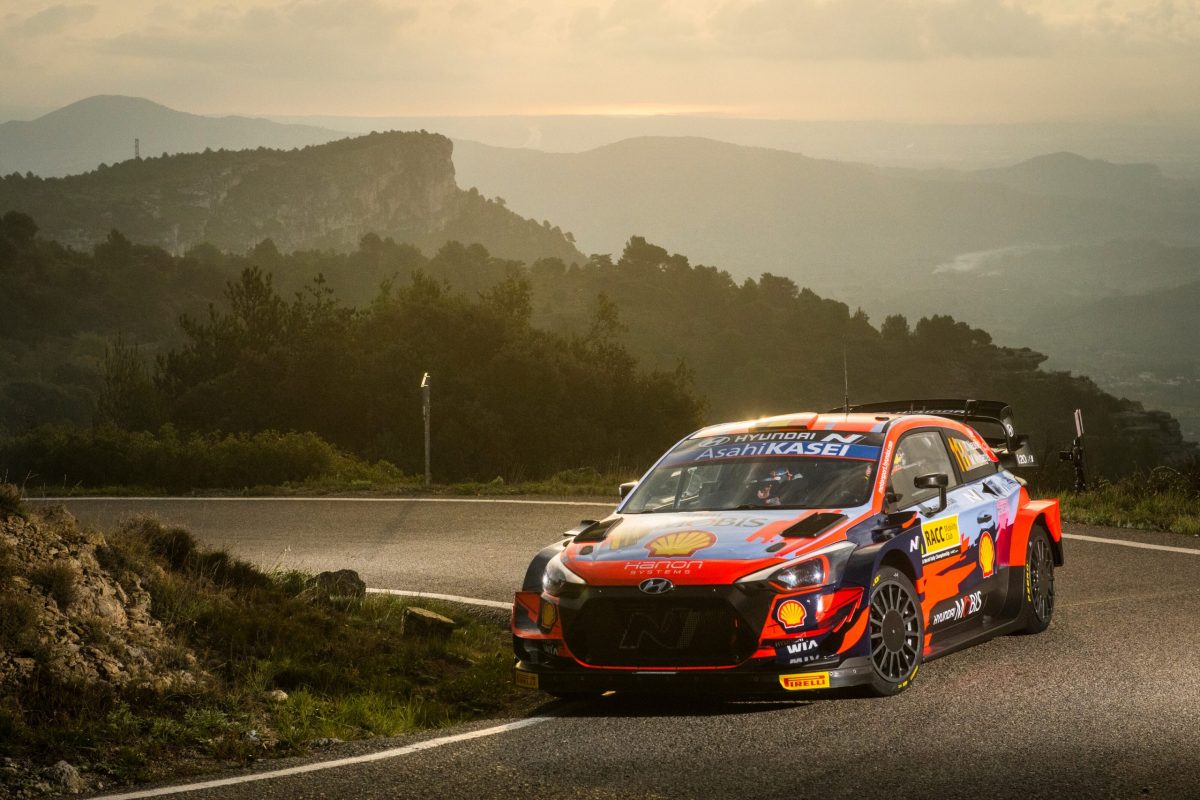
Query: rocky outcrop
70	620
327	197
1159	429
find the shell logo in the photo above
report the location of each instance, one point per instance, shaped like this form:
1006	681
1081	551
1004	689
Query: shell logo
987	555
680	544
547	615
791	614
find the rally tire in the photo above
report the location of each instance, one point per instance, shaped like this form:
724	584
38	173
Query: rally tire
1038	599
896	629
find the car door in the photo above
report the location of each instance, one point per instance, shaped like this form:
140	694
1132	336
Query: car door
980	520
952	595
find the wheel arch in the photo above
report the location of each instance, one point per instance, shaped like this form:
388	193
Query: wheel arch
897	559
533	574
1044	514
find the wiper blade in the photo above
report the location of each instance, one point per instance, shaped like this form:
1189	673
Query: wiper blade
748	507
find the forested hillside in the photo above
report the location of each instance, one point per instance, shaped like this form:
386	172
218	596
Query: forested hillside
320	197
538	367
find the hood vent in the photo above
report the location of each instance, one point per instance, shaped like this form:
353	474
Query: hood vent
813	525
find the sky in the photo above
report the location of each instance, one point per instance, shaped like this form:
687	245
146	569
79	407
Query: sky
958	61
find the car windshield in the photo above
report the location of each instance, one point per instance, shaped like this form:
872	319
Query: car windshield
826	471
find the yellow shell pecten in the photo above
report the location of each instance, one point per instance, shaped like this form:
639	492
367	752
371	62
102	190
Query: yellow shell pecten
680	543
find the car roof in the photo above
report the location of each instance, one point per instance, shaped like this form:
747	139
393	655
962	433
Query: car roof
809	420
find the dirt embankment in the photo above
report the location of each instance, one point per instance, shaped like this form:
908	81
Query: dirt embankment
75	627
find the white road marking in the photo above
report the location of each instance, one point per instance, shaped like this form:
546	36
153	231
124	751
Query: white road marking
451	598
395	752
1195	551
328	499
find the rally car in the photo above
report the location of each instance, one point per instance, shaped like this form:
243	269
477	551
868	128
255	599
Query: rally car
798	552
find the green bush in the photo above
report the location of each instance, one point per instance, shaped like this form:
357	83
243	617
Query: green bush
57	581
10	501
109	456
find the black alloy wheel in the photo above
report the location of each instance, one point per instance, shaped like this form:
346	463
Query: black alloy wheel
897	631
1039	582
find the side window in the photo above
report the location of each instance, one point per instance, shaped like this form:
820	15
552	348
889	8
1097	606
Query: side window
919	453
972	461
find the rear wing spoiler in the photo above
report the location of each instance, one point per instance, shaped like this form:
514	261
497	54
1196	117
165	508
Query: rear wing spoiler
991	419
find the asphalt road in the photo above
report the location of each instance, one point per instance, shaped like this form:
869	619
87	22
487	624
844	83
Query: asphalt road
1106	703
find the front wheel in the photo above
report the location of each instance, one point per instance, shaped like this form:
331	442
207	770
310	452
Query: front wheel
897	632
1039	582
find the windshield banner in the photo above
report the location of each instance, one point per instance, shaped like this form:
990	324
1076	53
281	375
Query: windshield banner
778	444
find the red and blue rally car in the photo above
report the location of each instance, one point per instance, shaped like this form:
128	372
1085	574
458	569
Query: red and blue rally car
798	552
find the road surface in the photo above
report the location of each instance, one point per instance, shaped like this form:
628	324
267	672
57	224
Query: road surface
1106	703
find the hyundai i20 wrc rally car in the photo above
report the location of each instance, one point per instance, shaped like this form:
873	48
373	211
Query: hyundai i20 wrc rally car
798	552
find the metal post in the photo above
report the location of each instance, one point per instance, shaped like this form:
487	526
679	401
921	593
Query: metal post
425	408
1075	454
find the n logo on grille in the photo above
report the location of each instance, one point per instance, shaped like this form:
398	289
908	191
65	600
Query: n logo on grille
656	586
672	630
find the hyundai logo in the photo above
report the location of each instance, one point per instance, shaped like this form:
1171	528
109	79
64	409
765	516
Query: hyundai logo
656	586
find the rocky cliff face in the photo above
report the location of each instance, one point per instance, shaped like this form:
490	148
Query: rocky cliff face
398	185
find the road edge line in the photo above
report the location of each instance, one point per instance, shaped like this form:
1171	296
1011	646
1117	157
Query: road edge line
367	758
450	598
1195	551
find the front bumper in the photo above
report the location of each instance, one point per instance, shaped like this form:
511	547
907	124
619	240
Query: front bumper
748	680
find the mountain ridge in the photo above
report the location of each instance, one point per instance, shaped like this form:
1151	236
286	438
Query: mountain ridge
326	196
101	130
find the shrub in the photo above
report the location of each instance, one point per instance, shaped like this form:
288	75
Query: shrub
10	501
17	618
58	581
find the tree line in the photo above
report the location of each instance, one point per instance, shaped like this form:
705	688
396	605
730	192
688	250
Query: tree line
537	367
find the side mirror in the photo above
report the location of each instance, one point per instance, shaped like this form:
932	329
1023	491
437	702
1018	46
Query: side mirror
626	488
934	480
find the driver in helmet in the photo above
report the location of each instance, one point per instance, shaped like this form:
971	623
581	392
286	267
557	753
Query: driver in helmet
767	488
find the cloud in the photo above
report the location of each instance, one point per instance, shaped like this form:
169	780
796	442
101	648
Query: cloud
907	59
319	39
54	19
880	29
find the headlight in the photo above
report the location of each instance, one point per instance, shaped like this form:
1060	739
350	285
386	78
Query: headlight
822	568
557	576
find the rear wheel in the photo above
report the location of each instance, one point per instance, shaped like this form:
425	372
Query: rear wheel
1039	581
897	632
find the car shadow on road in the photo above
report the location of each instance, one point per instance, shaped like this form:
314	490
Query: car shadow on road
670	705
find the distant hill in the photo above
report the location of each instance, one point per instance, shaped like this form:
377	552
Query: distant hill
1070	175
398	185
839	227
100	130
1124	312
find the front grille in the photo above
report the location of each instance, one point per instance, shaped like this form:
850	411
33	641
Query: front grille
659	632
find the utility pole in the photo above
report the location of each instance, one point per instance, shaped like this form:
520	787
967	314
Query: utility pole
137	149
425	408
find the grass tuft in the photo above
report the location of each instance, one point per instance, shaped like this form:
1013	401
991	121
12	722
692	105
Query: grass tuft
57	580
1164	499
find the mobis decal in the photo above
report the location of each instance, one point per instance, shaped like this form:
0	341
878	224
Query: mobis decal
961	608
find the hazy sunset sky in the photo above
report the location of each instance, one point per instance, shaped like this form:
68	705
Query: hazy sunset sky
905	60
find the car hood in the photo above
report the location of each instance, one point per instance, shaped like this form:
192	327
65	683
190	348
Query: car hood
698	547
